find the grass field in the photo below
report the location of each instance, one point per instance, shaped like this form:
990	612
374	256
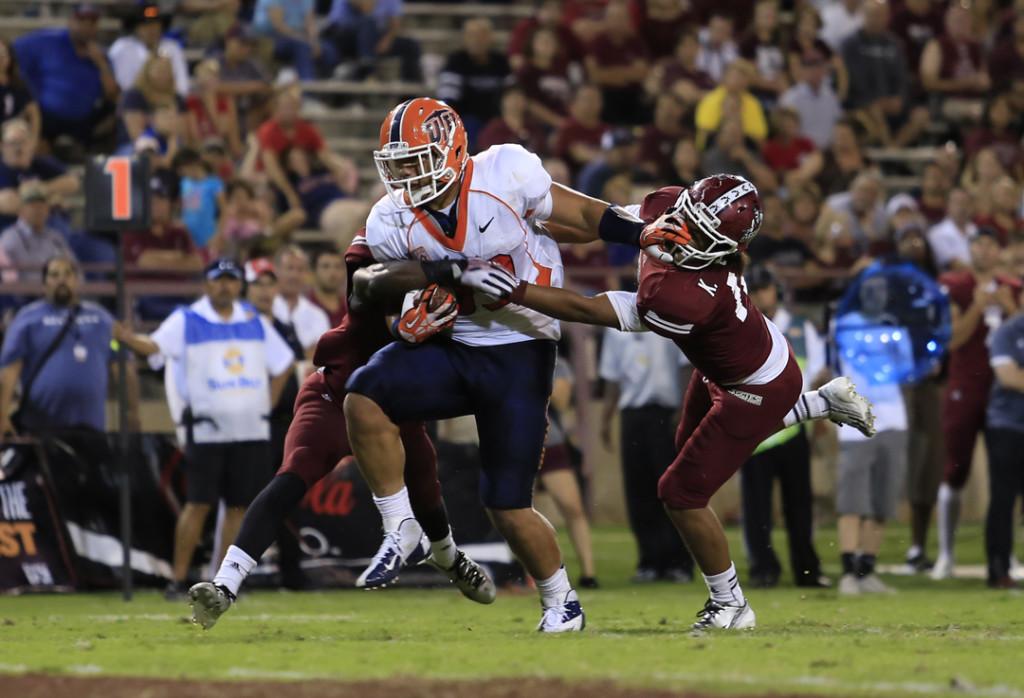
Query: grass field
955	637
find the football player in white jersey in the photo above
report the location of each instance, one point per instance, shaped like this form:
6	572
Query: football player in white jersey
442	208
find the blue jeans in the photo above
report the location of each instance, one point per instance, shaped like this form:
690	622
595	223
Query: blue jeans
300	55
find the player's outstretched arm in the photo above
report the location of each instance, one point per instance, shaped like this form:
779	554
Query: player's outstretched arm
386	283
563	304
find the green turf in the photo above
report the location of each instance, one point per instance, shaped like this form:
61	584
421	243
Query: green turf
927	638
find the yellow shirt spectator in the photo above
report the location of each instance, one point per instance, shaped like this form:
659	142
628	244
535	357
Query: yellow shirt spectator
724	98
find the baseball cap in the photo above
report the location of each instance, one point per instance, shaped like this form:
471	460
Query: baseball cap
32	191
147	11
223	267
616	137
86	10
255	268
899	202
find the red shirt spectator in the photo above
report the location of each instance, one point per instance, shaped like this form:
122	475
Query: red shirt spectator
997	133
659	24
512	126
578	141
783	155
916	22
1006	62
658	139
206	126
548	17
544	79
617	62
277	137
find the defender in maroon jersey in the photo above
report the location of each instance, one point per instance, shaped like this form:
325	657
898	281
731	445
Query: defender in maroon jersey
746	385
317	440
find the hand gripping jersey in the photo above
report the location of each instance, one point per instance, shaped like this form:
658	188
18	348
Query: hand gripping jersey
503	192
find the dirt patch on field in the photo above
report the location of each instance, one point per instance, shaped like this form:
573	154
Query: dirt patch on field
38	686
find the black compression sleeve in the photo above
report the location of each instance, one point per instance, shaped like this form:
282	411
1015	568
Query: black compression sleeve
617	225
443	272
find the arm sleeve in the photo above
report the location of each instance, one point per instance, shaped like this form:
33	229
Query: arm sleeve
279	356
170	336
624	305
15	339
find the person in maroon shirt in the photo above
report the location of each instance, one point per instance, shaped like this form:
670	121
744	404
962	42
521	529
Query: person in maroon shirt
980	300
951	64
792	155
578	141
544	79
659	23
328	291
934	196
763	46
616	61
658	139
916	22
548	16
998	132
317	441
512	125
806	47
166	246
1006	61
1004	213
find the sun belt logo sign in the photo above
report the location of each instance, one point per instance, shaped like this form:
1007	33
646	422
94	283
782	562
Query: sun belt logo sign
233	361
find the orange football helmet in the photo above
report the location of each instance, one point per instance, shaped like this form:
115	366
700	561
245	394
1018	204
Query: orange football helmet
423	151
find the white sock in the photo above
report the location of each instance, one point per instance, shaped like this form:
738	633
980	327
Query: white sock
554	588
948	518
443	551
808	406
724	587
394	509
234	569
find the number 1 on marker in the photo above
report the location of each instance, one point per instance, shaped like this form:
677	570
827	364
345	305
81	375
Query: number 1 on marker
120	171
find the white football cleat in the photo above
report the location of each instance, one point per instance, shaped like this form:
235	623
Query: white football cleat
943	568
404	547
725	617
470	577
873	584
209	601
566	617
849	585
847	406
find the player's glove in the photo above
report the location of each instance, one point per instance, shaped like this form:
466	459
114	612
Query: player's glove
489	278
660	238
433	310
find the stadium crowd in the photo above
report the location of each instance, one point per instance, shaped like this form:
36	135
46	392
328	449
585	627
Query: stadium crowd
875	131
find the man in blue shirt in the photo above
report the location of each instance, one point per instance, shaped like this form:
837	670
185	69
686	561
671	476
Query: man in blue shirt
69	388
68	72
366	29
292	26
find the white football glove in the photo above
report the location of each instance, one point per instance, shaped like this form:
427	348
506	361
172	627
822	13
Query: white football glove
488	278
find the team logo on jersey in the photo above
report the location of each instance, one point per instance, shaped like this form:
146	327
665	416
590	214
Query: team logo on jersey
233	361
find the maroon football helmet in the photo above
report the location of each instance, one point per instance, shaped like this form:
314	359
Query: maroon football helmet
726	209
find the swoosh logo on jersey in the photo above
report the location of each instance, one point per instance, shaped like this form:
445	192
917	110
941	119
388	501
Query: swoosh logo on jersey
483	228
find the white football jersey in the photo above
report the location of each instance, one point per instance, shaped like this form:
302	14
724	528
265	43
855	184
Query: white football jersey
504	192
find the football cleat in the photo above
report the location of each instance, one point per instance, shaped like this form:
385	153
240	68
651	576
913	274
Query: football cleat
873	584
209	601
942	569
566	617
470	578
404	547
724	616
847	406
849	585
918	563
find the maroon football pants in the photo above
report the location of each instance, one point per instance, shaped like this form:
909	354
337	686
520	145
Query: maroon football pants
719	430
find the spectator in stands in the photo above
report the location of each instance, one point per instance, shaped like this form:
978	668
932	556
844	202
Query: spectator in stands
579	139
1006	61
244	77
644	385
865	206
685	162
840	19
153	89
935	186
980	176
221	357
807	47
549	17
292	25
166	245
248	227
949	238
367	30
513	125
1004	214
584	17
202	196
617	63
730	152
880	81
66	387
1004	441
16	100
162	138
844	159
212	114
130	54
763	48
916	23
951	64
791	155
732	98
68	72
544	79
679	73
717	47
618	155
318	183
473	77
208	20
776	247
659	23
816	103
29	242
292	304
658	139
328	292
998	131
871	472
19	164
784	456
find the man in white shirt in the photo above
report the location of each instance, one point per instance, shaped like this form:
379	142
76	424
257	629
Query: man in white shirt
291	305
129	53
222	356
950	238
814	100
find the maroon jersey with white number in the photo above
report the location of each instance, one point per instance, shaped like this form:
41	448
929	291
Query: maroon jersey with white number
708	314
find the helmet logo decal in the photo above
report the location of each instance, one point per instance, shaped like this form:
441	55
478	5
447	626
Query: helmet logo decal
742	189
438	126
